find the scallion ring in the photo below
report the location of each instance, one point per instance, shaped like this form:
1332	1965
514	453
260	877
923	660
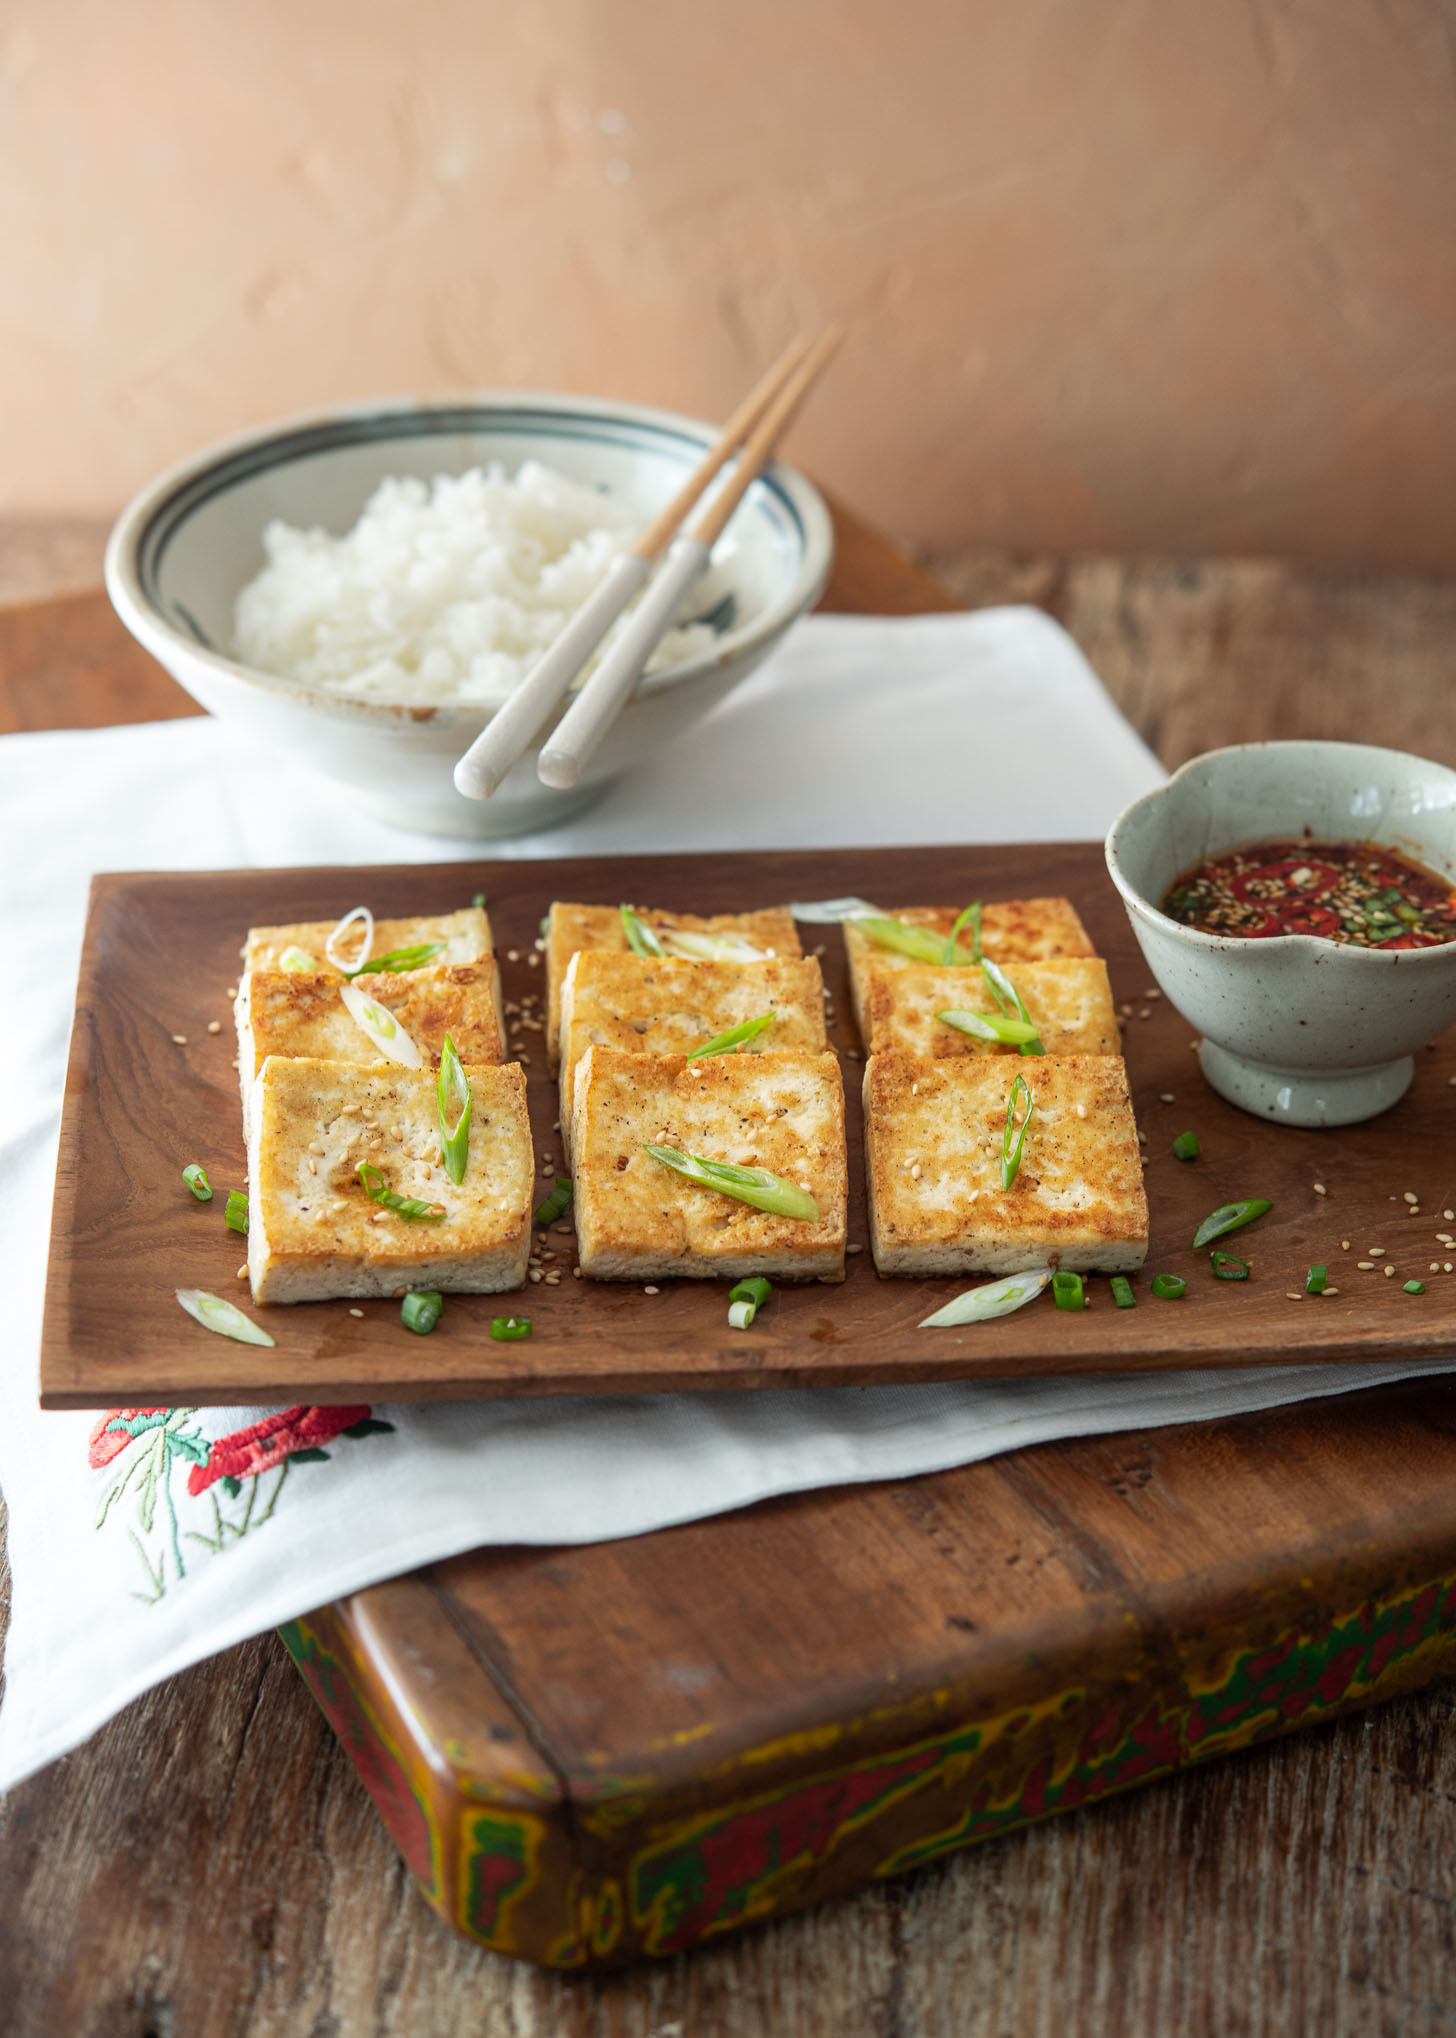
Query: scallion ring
397	959
297	962
1315	1280
640	937
991	1026
745	1299
510	1329
1229	1217
971	918
402	1206
452	1097
382	1027
224	1317
333	947
1186	1147
1067	1290
1122	1293
1171	1287
695	945
196	1180
479	902
1228	1266
755	1186
236	1214
1415	1287
556	1204
734	1038
1011	1002
421	1310
1013	1137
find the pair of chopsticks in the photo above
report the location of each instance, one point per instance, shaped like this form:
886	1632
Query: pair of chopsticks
755	427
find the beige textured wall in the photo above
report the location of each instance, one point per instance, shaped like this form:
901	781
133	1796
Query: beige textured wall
1171	274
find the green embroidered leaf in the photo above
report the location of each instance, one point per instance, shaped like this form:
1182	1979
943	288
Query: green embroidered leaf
230	1486
190	1444
367	1428
307	1457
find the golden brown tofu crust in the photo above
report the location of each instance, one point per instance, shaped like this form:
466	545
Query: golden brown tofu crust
1012	930
570	928
645	1006
466	936
313	1229
638	1220
304	1016
933	1141
1069	1003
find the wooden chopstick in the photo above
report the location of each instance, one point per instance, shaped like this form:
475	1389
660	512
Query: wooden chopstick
581	730
510	731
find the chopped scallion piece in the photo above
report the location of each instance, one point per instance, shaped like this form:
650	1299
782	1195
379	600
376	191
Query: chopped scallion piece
1315	1279
971	918
452	1095
479	902
421	1310
1013	1138
224	1317
992	1026
749	1185
996	1298
1122	1293
196	1180
236	1214
834	912
297	961
745	1299
556	1204
1169	1286
1067	1290
382	1027
508	1329
334	946
734	1038
1228	1266
402	1206
544	930
696	945
1415	1287
1186	1147
1010	1000
1229	1217
640	937
397	959
919	943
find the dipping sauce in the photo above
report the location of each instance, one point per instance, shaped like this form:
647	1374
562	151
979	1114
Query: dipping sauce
1356	892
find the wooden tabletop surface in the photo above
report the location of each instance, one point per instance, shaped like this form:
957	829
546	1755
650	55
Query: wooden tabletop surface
210	1863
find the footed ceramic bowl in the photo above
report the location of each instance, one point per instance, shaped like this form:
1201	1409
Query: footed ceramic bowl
183	549
1295	1028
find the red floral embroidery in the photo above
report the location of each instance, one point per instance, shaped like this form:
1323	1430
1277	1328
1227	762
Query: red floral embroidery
107	1444
263	1444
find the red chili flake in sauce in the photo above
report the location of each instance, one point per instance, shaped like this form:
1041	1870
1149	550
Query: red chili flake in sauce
1342	891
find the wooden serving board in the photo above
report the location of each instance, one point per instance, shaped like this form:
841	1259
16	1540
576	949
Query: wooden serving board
161	951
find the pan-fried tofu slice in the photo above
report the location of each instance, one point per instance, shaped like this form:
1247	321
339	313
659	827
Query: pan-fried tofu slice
1012	930
1069	1002
933	1133
644	1006
569	928
466	938
313	1230
637	1220
305	1017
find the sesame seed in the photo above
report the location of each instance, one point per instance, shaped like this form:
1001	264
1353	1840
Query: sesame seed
243	1271
214	1026
1291	1295
1145	1013
356	1312
513	955
1344	1245
1376	1252
1332	1291
1414	1210
1366	1266
535	1274
1389	1271
534	959
1448	1215
232	990
1319	1188
1446	1267
1166	1097
650	1290
179	1039
553	1279
854	1248
576	1273
1407	1197
1082	1113
1435	1266
915	1172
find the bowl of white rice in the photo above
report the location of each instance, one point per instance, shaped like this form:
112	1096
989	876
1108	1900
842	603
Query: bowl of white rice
361	589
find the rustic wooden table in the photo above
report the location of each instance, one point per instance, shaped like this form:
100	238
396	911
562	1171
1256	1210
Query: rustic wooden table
210	1863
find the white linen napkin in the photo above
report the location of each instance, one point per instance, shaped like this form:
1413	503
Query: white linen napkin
139	1548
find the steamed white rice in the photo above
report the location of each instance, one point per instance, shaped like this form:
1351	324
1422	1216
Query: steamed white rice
445	590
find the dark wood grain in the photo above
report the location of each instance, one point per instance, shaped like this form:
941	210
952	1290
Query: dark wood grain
209	1863
138	1106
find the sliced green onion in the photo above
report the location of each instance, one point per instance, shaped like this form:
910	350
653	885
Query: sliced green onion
1415	1287
1013	1140
734	1038
970	918
1067	1290
223	1317
745	1299
236	1214
336	940
1122	1293
749	1185
398	959
452	1093
696	946
508	1329
993	1027
1315	1279
421	1310
402	1206
1170	1286
479	902
556	1204
996	1298
916	942
640	937
1229	1217
1010	1000
544	930
196	1180
834	912
1186	1147
297	961
382	1027
1228	1266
